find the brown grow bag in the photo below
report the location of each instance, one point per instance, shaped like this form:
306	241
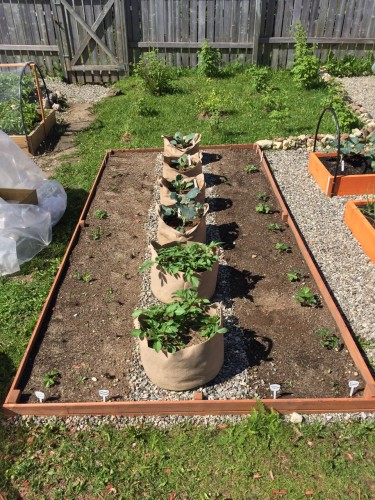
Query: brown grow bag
165	192
177	152
163	285
170	173
167	234
188	368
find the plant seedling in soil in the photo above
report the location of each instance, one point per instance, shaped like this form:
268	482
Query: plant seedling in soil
168	327
85	277
101	214
262	196
187	259
182	185
282	248
182	141
183	163
250	169
264	208
50	378
96	234
274	226
328	339
306	297
294	275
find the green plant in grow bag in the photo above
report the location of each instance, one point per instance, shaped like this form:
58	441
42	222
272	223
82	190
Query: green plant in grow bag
187	259
328	339
50	378
167	327
182	185
183	163
182	141
306	297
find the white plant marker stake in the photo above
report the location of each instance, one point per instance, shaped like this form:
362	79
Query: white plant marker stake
275	389
342	166
40	395
353	384
104	393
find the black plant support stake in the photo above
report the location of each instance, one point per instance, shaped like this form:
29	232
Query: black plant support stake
332	111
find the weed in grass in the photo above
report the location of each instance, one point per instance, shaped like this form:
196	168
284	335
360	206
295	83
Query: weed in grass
328	339
50	378
294	275
306	297
97	233
250	169
101	214
274	226
264	208
283	248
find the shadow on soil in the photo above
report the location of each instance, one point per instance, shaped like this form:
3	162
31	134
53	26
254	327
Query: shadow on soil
7	371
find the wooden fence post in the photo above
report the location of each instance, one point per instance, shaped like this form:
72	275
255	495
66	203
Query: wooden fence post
257	23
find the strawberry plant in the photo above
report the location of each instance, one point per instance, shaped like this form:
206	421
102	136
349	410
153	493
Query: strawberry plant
306	297
283	248
50	378
264	208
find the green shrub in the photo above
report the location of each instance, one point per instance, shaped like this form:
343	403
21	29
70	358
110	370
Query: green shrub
261	77
209	60
306	65
337	99
156	75
349	65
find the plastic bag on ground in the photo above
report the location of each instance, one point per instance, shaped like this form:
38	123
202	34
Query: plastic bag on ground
25	229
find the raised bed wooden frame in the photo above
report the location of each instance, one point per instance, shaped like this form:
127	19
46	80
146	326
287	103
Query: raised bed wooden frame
345	185
198	406
30	143
362	230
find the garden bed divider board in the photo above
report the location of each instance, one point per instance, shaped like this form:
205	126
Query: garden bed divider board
31	142
197	406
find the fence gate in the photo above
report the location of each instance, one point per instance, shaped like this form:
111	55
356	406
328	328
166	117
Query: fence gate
92	39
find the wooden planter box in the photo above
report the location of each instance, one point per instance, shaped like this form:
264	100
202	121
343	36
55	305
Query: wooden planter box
31	142
196	406
345	184
362	230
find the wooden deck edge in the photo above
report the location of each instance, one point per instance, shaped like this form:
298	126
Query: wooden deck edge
196	407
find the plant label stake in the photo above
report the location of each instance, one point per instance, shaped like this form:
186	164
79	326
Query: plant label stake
342	165
40	395
275	389
104	393
353	384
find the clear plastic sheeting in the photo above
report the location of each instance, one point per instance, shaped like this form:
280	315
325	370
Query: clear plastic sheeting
25	229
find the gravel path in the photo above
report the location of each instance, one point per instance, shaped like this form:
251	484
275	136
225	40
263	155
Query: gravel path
349	272
78	93
362	90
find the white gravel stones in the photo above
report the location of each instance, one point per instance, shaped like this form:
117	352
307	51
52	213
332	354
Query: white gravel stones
348	271
361	89
78	93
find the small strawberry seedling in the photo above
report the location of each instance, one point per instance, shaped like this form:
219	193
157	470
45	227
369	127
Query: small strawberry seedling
50	378
262	196
101	214
294	275
274	226
96	234
264	208
283	248
250	169
328	339
306	297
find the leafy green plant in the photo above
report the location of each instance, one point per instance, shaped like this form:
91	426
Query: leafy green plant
369	211
187	259
182	185
250	169
306	297
85	277
168	327
337	99
352	147
154	72
184	211
210	105
97	233
348	65
183	163
283	248
209	60
261	77
50	378
306	65
328	339
101	214
264	208
182	141
274	226
262	196
294	275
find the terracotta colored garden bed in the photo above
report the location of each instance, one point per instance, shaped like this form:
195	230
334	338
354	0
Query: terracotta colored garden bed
345	184
360	226
31	142
83	331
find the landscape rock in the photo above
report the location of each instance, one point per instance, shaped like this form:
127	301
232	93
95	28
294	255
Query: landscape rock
265	144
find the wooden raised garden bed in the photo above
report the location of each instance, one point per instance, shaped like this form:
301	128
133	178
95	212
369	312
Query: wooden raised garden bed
83	330
360	226
30	143
345	184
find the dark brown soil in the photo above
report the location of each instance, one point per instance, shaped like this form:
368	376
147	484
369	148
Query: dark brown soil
88	337
353	165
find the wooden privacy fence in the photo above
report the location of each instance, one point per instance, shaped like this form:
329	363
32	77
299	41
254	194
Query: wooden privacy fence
94	40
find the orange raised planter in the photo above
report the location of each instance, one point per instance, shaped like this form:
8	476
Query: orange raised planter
345	184
361	228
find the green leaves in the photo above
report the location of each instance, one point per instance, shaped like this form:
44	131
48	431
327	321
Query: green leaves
182	141
306	297
187	259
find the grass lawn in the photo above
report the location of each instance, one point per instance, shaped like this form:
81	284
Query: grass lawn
52	462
